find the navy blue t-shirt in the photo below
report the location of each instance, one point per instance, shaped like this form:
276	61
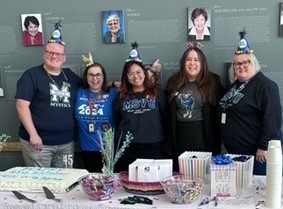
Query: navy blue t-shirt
52	103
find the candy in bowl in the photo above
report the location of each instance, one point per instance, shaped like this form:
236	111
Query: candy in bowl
98	187
182	189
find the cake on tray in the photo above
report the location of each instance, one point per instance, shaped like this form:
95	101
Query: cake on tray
32	179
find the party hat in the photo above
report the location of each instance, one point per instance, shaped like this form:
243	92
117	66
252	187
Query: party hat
88	60
193	45
57	35
244	47
134	53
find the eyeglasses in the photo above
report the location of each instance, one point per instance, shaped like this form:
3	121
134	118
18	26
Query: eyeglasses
57	54
97	76
112	23
245	64
131	75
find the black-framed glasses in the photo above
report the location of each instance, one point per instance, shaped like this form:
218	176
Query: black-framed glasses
97	76
245	64
57	54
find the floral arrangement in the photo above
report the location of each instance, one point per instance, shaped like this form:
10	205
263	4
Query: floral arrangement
110	156
3	139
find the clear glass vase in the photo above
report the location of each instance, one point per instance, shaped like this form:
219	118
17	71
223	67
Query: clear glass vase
98	187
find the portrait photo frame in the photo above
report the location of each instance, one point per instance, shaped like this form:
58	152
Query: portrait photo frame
32	30
113	26
1	84
199	23
280	31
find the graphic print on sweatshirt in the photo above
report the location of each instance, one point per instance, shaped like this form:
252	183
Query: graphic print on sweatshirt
139	106
232	97
97	110
60	97
187	100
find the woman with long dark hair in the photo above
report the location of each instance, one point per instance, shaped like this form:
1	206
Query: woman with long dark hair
193	95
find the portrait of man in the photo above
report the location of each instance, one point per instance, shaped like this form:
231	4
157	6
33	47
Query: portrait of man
113	29
199	24
32	30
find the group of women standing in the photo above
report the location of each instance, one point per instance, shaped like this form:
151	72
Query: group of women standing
193	113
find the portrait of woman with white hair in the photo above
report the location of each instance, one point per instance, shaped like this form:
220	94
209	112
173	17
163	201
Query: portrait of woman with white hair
113	26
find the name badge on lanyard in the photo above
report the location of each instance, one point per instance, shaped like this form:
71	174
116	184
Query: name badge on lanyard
91	127
223	118
91	124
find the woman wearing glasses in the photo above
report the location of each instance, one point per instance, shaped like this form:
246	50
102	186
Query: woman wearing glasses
114	33
251	113
93	112
140	109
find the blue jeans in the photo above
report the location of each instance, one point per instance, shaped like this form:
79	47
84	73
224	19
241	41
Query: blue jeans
57	156
259	168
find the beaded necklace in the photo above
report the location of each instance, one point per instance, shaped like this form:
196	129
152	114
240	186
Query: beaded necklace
53	81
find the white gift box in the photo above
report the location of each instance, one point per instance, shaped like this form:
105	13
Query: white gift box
150	170
223	180
195	164
244	171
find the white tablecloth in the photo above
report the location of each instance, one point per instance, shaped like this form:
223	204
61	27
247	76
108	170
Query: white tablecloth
77	199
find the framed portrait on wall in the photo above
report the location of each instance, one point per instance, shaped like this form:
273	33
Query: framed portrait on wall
113	26
1	84
199	23
281	19
32	30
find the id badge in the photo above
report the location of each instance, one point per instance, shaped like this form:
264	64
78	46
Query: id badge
91	128
223	118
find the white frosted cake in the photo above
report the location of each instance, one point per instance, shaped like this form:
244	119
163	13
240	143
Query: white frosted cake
32	179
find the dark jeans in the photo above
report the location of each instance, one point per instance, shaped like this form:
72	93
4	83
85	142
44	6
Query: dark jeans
92	161
259	168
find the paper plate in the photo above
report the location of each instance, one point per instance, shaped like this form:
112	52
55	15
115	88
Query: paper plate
142	188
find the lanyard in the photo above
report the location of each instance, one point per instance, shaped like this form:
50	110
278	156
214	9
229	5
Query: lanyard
91	104
53	81
232	97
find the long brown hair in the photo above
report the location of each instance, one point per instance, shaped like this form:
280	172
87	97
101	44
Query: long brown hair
126	88
205	80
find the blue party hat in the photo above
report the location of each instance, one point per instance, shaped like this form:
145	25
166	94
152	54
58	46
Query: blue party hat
244	47
57	35
134	53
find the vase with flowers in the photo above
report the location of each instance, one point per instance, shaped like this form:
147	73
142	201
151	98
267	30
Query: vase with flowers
3	140
102	186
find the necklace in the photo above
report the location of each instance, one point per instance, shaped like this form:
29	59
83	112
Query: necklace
53	81
91	103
